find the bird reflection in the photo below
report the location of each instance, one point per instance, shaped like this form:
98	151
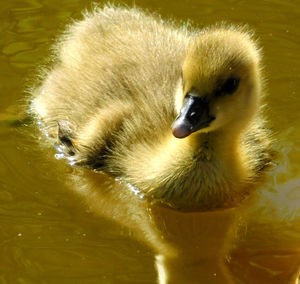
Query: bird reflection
257	242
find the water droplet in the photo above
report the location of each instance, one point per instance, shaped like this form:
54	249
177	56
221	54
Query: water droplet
59	156
134	189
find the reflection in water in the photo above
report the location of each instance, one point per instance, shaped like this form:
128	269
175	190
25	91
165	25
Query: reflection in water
255	243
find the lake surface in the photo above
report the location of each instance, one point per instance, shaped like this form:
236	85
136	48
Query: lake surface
51	234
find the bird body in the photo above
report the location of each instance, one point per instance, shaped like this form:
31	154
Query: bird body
174	111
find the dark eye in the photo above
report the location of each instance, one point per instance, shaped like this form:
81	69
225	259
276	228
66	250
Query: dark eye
230	85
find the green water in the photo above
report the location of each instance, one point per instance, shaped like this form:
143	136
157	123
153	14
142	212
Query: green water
48	234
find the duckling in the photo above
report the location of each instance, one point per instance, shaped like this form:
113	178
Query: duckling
173	111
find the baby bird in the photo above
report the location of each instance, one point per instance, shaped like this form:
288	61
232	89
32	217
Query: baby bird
172	111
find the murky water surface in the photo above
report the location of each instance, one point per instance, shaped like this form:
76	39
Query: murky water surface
49	234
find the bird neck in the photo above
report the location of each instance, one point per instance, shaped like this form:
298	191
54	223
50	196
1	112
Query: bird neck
224	148
218	142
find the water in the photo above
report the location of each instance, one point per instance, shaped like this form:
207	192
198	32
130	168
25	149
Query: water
51	234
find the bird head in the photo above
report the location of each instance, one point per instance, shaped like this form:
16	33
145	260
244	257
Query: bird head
220	82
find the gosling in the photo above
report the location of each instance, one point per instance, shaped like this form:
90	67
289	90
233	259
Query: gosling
173	111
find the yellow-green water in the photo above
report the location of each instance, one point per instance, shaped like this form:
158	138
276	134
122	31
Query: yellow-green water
49	234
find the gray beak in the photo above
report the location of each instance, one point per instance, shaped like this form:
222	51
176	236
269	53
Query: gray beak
194	115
